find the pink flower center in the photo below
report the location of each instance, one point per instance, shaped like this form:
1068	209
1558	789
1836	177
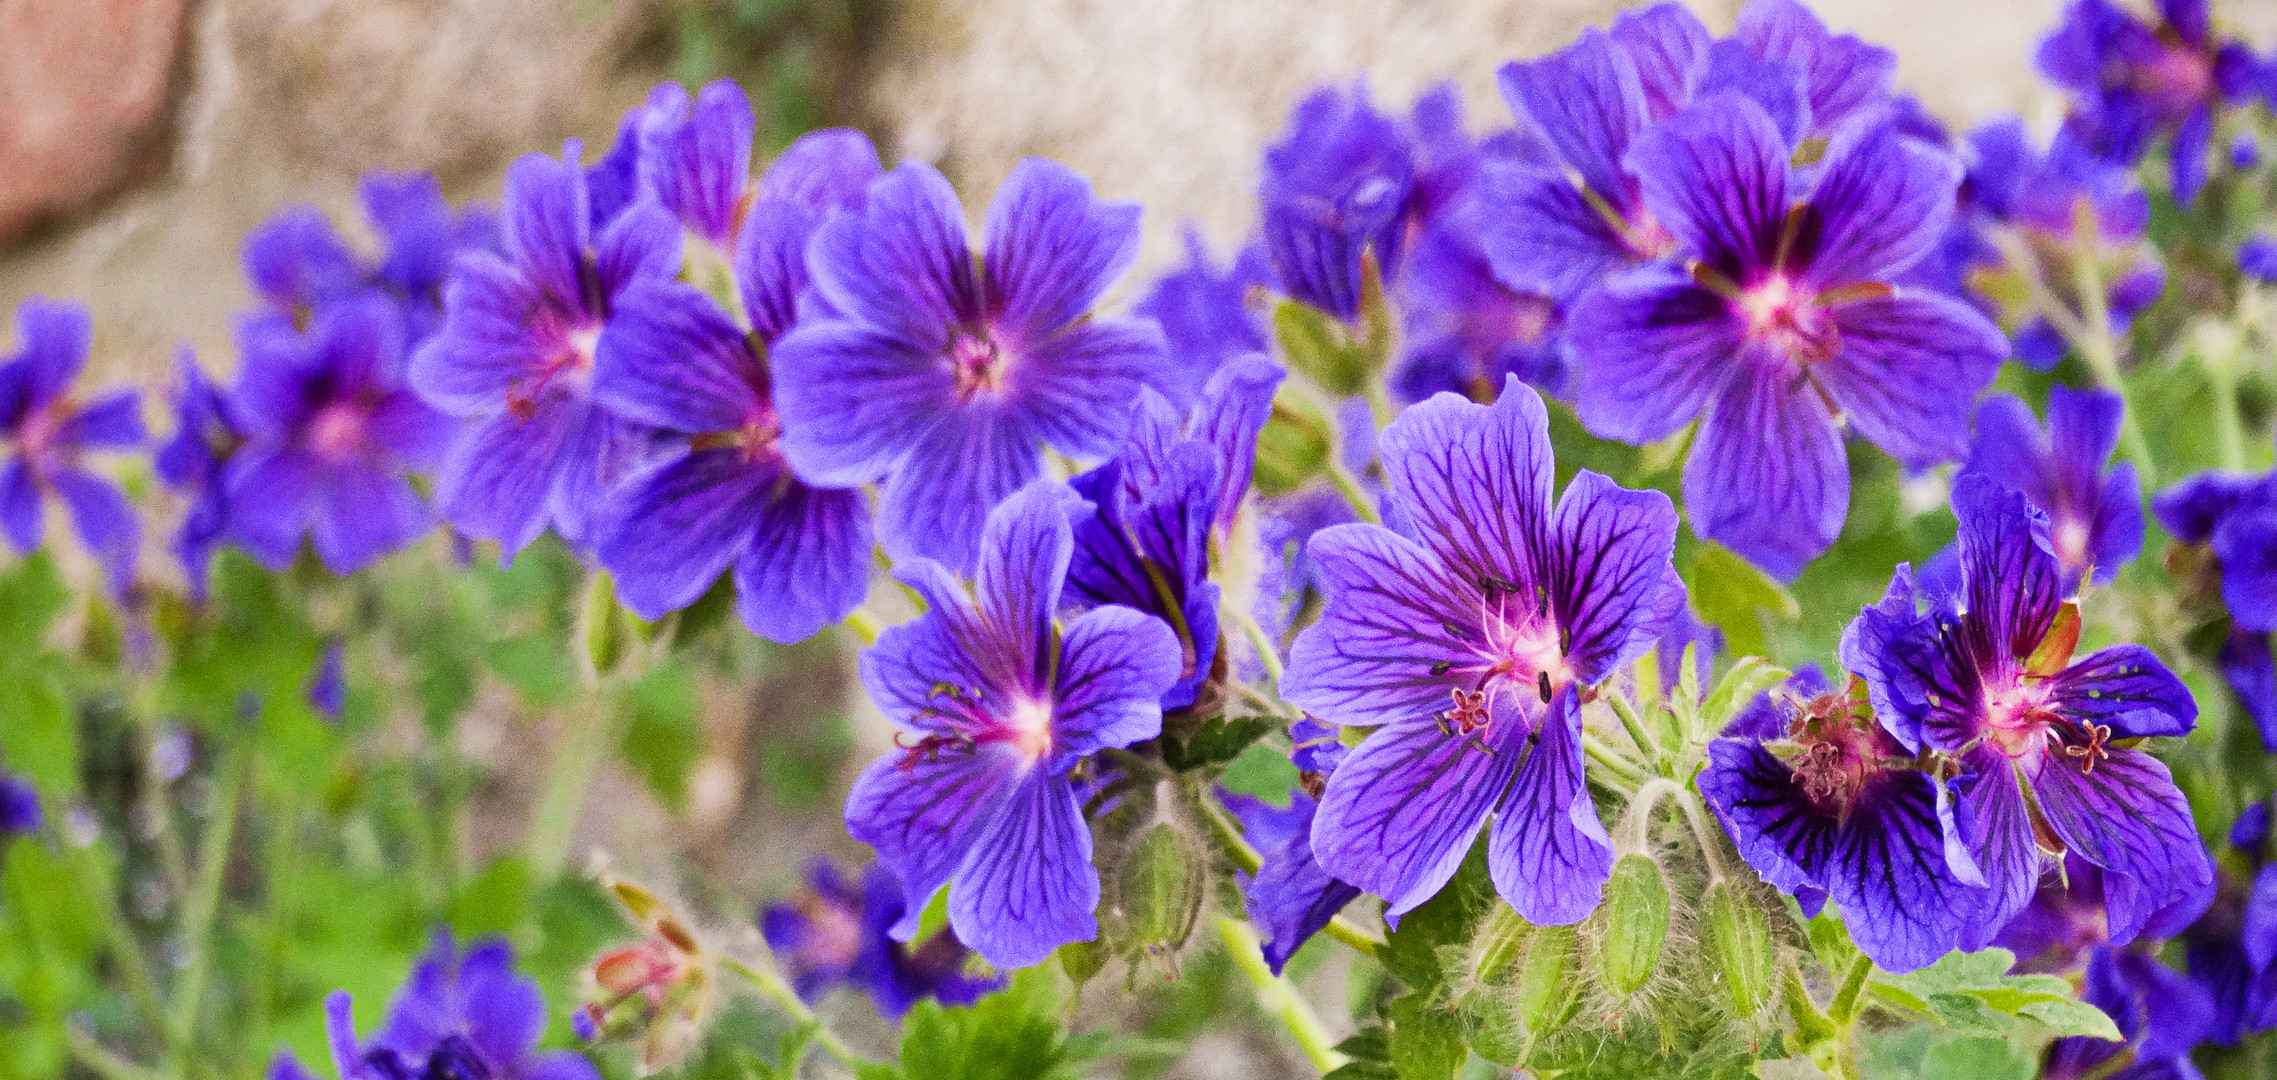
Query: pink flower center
2180	78
2070	538
338	432
2017	715
1520	652
571	360
980	364
1838	751
1647	238
1786	314
36	435
966	722
833	936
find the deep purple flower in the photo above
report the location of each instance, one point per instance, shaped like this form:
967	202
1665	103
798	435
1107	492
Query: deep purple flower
515	358
695	157
206	435
1467	649
1336	188
2066	922
19	806
1158	505
947	377
47	434
1824	802
470	1017
2232	950
1000	705
1206	316
1843	78
673	361
2257	258
2163	1014
2234	516
297	262
2095	518
328	686
332	428
1784	326
2042	740
2133	84
836	934
1290	898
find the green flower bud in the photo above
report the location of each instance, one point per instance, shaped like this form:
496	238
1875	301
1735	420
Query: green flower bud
1161	893
1294	445
1636	925
1738	942
1545	998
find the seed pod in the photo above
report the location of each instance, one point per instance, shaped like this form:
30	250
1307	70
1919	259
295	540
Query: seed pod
1739	944
1545	999
1636	925
1160	890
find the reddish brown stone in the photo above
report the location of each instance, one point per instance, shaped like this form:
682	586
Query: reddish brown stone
84	90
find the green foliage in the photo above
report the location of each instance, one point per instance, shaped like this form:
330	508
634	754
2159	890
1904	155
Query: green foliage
1215	741
1735	597
1971	991
1014	1035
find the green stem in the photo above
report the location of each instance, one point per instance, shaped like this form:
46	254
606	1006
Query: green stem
770	983
126	949
1247	860
1704	833
2218	348
1633	724
205	899
1259	641
594	730
1844	1010
2101	353
1349	488
101	1060
865	625
1276	996
1811	1025
1614	770
1636	821
1380	405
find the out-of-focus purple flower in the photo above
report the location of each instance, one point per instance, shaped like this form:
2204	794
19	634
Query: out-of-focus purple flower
2044	741
1206	317
206	435
837	934
2234	516
676	362
515	358
1336	188
946	376
2232	950
1290	898
328	686
2245	151
695	157
47	433
2134	84
1470	644
2257	258
1785	315
19	806
1811	789
1000	705
458	1017
2066	920
297	262
1843	77
2162	1013
331	428
1158	504
2095	518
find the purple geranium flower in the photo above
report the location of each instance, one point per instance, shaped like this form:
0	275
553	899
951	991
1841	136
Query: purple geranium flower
2257	258
1842	77
1823	801
331	430
2234	516
2095	517
1290	898
19	806
947	378
1468	648
695	157
1002	706
206	435
470	1017
1336	188
297	262
836	934
2232	950
47	435
2162	1014
516	351
2066	921
1784	326
2042	740
1160	502
1206	316
2133	84
675	362
327	687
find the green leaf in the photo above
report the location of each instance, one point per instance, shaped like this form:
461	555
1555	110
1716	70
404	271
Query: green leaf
1446	921
1012	1035
2073	1018
1968	991
1735	596
1215	741
664	740
1261	772
1426	1040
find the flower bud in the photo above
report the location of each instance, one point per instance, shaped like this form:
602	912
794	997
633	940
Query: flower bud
658	991
1739	945
1636	925
1161	893
1546	998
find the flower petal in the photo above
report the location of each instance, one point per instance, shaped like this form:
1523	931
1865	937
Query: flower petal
1846	75
1654	349
937	501
1888	871
105	522
2127	688
1075	389
807	566
504	1012
2013	584
362	514
901	265
1053	248
1782	836
1541	235
1612	578
2248	667
2246	542
496	480
698	162
853	400
822	170
1027	886
672	359
1400	813
924	813
1716	176
1587	101
1767	477
271	497
1370	658
1115	664
770	263
547	226
110	422
2000	842
680	523
1291	898
640	243
484	349
1883	201
2126	816
1666	42
1549	856
1909	371
1475	479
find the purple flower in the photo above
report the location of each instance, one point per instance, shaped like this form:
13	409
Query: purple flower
206	435
695	158
1290	898
1206	317
469	1017
2234	516
1824	802
1470	645
947	377
515	358
2257	258
2163	1014
836	934
2133	84
19	806
2095	518
1784	320
2066	921
2232	950
297	262
1160	501
1001	706
673	361
2043	742
47	435
1842	77
1336	188
328	686
331	430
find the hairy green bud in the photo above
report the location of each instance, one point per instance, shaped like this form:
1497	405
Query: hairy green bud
1738	943
1636	925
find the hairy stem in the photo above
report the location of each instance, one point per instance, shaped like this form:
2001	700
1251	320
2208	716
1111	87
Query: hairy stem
1704	832
1349	487
770	984
1268	654
205	899
1246	859
1278	998
1844	1010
